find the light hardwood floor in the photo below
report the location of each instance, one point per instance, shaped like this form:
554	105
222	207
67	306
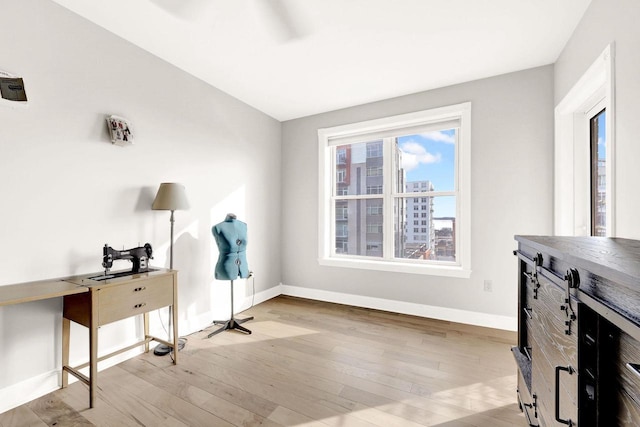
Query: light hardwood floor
307	363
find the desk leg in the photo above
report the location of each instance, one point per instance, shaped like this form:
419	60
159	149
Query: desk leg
176	339
66	328
93	350
145	319
174	311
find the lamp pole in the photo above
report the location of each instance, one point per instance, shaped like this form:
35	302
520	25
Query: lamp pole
171	242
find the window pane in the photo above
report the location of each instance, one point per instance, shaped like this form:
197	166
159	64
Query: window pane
359	169
359	227
435	238
444	229
428	161
598	175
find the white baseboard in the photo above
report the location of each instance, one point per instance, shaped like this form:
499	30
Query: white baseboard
433	312
35	387
28	390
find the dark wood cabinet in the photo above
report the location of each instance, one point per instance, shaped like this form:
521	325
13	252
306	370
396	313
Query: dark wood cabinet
578	352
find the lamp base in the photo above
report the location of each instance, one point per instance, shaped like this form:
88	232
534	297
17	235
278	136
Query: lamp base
163	350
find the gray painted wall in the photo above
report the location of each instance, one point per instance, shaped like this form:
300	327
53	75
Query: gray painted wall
511	193
616	22
66	190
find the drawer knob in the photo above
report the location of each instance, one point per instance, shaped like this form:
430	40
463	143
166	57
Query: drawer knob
139	305
142	288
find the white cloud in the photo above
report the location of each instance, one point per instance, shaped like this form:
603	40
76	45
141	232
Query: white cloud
440	136
414	154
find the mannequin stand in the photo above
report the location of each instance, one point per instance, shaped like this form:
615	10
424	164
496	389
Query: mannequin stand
232	323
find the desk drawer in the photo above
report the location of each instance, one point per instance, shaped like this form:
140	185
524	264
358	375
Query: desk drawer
129	299
628	380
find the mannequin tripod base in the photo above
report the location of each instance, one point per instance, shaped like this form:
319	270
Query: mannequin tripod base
231	324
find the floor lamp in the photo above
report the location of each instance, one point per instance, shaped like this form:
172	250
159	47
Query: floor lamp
171	196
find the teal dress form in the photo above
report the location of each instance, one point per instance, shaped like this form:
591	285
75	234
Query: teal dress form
231	237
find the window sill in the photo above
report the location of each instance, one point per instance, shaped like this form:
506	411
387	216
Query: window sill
398	267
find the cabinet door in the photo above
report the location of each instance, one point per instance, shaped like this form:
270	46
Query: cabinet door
628	381
554	354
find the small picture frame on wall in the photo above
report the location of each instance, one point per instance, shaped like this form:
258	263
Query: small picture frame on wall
120	130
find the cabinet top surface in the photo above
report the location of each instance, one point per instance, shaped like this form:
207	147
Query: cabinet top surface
612	268
613	258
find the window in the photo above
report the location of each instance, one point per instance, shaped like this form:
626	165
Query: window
374	149
584	157
341	174
598	156
374	228
374	171
374	189
341	211
342	230
391	164
374	210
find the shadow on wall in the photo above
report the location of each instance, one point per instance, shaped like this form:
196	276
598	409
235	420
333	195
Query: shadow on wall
192	265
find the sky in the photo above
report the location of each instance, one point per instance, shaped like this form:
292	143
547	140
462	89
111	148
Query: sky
431	156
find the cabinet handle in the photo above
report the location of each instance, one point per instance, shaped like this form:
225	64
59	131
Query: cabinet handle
142	288
139	305
634	367
527	311
570	370
525	406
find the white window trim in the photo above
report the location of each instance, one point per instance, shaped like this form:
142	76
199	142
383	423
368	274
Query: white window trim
462	268
572	210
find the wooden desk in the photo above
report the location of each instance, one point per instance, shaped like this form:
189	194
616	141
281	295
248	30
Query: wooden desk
115	299
93	303
36	291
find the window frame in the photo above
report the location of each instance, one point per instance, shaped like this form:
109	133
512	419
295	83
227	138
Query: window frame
572	207
327	255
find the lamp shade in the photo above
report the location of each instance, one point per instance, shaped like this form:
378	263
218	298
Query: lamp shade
171	196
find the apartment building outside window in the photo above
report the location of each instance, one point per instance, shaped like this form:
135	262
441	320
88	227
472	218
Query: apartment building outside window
414	163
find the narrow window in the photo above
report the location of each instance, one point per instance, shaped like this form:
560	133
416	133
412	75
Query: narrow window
598	174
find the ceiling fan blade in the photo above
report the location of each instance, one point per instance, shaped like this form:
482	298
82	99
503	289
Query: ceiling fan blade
189	10
279	19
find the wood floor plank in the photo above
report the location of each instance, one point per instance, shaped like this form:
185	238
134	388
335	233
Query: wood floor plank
22	416
222	407
307	363
53	412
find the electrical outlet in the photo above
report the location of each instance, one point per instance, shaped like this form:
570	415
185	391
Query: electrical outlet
488	286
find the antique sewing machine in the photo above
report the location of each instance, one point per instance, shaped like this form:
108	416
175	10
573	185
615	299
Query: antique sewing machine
139	256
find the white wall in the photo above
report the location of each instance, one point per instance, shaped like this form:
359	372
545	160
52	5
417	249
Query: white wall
616	22
511	193
66	190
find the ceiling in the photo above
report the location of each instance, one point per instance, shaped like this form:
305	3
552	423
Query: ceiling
294	58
